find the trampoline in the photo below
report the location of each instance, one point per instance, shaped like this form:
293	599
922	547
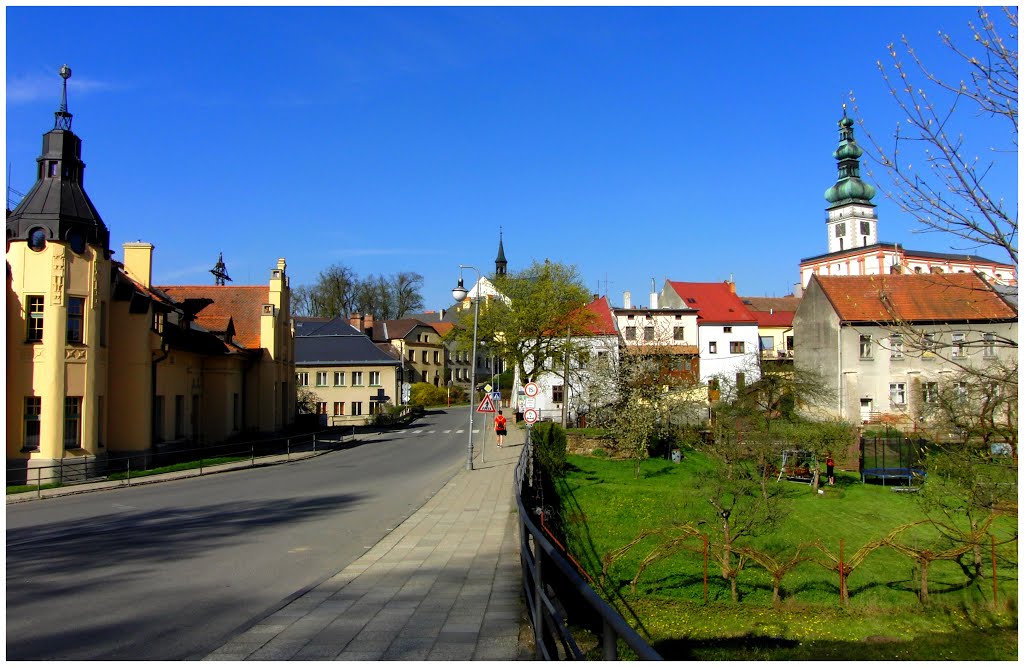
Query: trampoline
906	475
893	460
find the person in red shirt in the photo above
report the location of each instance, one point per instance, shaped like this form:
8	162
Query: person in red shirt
830	470
499	428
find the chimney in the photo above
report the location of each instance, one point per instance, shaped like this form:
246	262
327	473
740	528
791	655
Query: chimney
368	323
654	297
627	299
356	320
138	262
731	285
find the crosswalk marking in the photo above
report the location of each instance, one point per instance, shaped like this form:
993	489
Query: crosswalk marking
419	431
461	430
448	431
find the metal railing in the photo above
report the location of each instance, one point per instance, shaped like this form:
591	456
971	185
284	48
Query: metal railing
542	566
70	471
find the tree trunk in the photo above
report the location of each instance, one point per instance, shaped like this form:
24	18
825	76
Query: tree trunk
777	590
815	481
732	587
924	581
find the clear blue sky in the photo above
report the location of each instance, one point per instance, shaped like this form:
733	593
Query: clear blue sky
684	143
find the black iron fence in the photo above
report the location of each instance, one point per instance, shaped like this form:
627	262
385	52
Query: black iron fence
558	599
127	468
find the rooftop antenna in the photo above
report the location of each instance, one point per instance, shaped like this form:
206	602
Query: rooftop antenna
62	119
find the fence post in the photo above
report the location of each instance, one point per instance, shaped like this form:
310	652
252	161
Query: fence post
995	591
252	453
610	643
129	471
289	449
39	483
314	443
200	465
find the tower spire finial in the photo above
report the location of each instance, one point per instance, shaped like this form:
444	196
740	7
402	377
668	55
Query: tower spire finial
62	119
500	263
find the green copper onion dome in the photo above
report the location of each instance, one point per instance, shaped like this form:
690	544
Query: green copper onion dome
849	186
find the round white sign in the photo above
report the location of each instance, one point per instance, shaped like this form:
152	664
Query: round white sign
531	389
530	416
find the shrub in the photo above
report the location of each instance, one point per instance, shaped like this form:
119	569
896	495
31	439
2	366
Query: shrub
389	416
424	394
550	444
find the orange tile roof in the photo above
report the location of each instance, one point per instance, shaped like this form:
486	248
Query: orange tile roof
441	328
242	303
914	298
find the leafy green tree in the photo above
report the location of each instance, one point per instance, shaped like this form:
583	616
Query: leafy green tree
530	325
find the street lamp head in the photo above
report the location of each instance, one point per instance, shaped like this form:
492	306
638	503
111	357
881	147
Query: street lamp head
459	293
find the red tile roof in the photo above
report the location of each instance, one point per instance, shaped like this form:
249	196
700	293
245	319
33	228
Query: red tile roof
441	328
914	298
716	302
602	323
242	303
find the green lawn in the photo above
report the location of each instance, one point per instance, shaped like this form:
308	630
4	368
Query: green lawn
189	465
605	507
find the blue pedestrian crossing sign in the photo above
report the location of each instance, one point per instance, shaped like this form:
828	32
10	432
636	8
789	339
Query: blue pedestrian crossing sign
496	396
486	405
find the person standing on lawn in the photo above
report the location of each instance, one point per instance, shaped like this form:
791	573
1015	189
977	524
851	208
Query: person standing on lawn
830	470
499	428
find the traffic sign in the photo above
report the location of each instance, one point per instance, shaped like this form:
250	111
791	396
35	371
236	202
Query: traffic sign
530	416
531	389
495	396
530	402
486	405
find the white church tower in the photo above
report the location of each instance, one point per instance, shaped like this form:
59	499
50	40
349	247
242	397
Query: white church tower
851	218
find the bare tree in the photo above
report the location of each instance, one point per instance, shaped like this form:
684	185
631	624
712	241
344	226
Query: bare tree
407	286
931	172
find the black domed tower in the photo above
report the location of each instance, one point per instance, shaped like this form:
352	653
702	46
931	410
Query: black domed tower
57	209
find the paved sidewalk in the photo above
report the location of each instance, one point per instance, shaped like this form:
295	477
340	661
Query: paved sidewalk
444	585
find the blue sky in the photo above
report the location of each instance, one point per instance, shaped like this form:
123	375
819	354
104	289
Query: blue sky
682	142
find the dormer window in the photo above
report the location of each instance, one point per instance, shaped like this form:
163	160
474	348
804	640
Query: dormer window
53	166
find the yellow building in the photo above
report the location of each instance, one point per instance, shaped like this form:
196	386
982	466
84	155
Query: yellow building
351	378
100	363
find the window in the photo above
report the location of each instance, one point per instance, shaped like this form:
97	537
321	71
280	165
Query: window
424	356
958	345
928	346
179	416
374	378
679	333
158	322
158	420
357	408
412	355
302	379
789	342
53	168
767	342
896	346
736	347
898	393
33	410
321	407
841	229
960	388
930	391
339	378
72	422
321	378
339	408
712	347
648	333
35	319
558	393
76	318
989	344
357	378
865	346
865	227
630	333
726	329
437	358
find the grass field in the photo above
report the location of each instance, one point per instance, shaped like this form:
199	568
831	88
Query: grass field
605	507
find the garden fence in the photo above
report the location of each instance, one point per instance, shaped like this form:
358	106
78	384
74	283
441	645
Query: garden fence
549	581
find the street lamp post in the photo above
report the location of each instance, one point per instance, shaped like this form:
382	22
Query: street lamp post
460	294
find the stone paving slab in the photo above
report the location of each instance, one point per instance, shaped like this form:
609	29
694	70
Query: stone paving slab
444	585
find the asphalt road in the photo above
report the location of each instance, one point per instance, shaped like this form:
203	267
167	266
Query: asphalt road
170	571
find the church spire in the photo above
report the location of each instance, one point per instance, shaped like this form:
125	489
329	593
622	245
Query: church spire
500	263
849	186
850	216
61	117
